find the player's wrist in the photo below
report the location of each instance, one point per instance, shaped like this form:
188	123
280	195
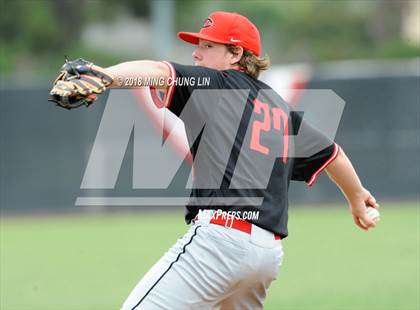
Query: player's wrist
356	195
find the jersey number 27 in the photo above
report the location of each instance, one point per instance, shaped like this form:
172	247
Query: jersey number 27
272	120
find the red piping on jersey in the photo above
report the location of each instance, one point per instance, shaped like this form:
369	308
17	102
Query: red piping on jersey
156	99
168	96
240	69
332	157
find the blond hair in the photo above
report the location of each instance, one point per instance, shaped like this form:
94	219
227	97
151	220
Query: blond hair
249	62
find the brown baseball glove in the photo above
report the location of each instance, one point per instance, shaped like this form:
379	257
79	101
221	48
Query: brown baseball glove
78	83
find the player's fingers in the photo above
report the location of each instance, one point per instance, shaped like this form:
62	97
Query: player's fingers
359	223
367	221
371	200
375	204
91	97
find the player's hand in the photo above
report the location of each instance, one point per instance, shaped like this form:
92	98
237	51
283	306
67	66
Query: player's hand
358	205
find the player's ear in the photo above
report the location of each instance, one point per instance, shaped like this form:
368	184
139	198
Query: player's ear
236	53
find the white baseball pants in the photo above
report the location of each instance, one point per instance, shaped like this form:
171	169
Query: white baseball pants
211	267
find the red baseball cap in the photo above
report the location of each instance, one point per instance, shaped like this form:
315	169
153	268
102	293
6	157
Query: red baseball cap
227	28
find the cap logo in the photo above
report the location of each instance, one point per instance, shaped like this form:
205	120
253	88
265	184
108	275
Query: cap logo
208	23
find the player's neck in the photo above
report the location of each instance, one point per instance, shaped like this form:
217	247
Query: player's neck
236	67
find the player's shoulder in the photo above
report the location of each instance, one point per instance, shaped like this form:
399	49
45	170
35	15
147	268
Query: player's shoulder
243	80
244	75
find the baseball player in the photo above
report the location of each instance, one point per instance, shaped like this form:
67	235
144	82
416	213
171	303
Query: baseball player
227	259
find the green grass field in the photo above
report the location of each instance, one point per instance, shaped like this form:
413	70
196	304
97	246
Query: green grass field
93	261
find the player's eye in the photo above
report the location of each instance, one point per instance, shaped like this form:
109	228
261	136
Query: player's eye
208	45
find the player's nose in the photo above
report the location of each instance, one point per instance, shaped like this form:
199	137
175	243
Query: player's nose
196	55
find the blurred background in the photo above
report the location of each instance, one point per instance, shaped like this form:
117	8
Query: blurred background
366	51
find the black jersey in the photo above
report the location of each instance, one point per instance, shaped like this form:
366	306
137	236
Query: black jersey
239	131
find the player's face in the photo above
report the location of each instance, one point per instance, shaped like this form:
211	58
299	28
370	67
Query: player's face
212	55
